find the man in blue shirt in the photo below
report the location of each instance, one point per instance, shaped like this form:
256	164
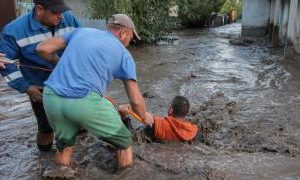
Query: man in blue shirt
18	40
74	92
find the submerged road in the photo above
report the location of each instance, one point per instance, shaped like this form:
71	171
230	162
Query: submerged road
246	99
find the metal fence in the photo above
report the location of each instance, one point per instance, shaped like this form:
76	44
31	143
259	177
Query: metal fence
23	8
93	23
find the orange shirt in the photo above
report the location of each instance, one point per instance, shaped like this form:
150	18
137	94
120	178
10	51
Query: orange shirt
170	128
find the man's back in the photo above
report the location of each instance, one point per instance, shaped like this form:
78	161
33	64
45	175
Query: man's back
94	58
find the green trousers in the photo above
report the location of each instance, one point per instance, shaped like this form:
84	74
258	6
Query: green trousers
93	112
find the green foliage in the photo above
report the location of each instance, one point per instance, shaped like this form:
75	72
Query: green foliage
151	17
197	12
234	5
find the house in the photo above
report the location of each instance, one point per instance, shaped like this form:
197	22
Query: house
277	18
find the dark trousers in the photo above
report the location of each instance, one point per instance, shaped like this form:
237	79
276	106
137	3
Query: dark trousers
42	120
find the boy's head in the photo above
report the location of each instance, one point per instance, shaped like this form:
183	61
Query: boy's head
179	107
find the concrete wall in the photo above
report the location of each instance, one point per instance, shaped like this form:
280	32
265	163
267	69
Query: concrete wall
293	25
79	7
283	20
297	39
279	18
289	26
298	23
256	15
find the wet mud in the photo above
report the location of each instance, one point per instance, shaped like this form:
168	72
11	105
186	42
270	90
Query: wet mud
245	100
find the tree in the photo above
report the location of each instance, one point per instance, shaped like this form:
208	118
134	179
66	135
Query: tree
232	5
197	12
151	17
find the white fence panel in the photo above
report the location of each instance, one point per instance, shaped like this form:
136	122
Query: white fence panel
24	8
93	23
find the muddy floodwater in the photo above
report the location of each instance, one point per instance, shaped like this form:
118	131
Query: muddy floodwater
245	99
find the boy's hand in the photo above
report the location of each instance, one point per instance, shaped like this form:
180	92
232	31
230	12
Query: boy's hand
124	110
149	119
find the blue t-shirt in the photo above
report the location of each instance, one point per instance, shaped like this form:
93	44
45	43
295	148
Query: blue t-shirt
91	60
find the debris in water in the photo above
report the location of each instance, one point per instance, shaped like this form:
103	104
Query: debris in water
245	41
59	171
148	95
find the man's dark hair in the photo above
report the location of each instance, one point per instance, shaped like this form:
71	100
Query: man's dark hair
180	106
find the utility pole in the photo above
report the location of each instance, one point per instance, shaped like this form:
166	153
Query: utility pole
7	13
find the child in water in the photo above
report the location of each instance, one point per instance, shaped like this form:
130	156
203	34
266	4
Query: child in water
173	127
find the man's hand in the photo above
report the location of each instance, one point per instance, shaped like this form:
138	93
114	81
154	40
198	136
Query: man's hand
111	99
135	97
35	93
2	65
149	119
124	110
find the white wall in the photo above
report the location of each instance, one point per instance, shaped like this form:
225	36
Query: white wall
292	22
283	20
298	22
284	14
256	13
296	19
272	11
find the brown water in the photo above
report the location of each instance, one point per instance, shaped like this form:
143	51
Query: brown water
245	99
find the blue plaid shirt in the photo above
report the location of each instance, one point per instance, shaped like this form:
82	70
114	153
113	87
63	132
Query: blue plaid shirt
19	39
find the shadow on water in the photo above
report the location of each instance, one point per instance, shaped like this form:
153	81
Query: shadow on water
245	99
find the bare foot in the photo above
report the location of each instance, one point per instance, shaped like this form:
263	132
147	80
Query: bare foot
64	157
125	157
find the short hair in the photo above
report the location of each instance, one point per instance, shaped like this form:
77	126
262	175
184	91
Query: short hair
180	106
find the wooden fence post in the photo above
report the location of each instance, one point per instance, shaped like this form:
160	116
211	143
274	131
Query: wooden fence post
7	13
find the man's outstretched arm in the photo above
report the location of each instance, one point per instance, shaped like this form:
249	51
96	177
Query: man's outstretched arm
137	101
48	49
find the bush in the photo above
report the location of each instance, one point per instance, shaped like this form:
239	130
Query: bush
232	5
197	12
151	17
